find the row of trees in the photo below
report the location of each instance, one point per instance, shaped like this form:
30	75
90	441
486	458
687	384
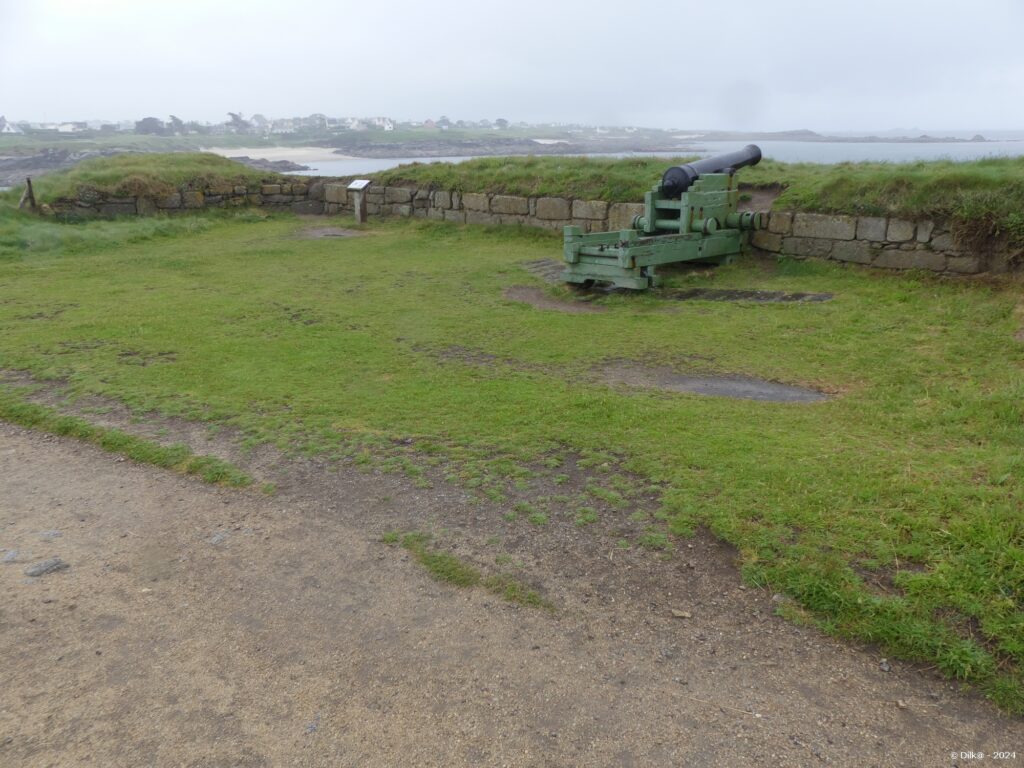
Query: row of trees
173	127
236	123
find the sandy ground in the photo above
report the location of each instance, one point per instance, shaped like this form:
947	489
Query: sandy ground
201	626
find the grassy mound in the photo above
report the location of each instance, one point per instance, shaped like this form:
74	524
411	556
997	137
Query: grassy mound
146	174
587	178
984	198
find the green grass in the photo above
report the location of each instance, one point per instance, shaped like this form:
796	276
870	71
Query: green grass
176	457
447	568
150	174
24	236
982	197
654	540
586	516
892	513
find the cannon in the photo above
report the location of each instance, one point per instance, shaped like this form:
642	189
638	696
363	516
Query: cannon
690	215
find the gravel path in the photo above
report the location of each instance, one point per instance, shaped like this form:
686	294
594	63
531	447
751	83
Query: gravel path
201	626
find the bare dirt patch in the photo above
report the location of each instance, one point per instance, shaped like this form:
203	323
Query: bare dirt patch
758	198
742	387
637	375
550	271
538	298
319	233
757	296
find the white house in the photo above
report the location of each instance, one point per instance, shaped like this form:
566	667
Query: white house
384	122
6	127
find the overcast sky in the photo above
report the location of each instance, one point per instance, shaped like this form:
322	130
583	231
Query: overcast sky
768	65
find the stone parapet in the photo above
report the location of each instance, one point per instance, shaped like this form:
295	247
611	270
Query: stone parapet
877	241
887	243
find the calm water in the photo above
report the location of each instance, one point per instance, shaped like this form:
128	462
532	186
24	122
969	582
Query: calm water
787	151
356	165
841	152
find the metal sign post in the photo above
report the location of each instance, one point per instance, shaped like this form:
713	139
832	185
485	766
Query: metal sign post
357	189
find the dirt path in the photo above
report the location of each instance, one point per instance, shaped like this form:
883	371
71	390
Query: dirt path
201	626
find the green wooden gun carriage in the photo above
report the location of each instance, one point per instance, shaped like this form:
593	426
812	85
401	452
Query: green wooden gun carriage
691	215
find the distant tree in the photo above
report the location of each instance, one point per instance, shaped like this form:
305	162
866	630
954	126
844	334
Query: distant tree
193	126
316	121
444	122
260	121
238	123
176	126
152	125
501	122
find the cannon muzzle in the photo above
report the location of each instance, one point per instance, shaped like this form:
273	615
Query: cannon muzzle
678	178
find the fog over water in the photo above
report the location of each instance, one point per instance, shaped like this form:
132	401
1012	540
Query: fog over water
859	65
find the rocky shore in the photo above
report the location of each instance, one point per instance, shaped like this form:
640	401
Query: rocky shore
13	170
277	166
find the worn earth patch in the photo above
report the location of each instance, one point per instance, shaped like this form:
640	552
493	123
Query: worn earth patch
538	298
739	387
550	271
319	233
637	375
730	294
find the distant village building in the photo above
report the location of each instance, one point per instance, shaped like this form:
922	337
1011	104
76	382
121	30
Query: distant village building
72	127
316	121
6	127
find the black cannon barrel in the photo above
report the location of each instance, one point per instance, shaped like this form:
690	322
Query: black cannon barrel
678	178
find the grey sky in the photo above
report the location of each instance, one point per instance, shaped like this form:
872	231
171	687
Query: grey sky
770	64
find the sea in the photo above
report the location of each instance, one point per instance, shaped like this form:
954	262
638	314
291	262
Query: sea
785	151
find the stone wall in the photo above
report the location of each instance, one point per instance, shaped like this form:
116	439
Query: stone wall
305	196
485	208
869	240
324	196
888	243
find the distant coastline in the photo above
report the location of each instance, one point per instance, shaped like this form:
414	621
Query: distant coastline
669	144
365	152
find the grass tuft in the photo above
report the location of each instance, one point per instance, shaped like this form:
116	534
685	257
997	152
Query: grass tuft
177	457
449	569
